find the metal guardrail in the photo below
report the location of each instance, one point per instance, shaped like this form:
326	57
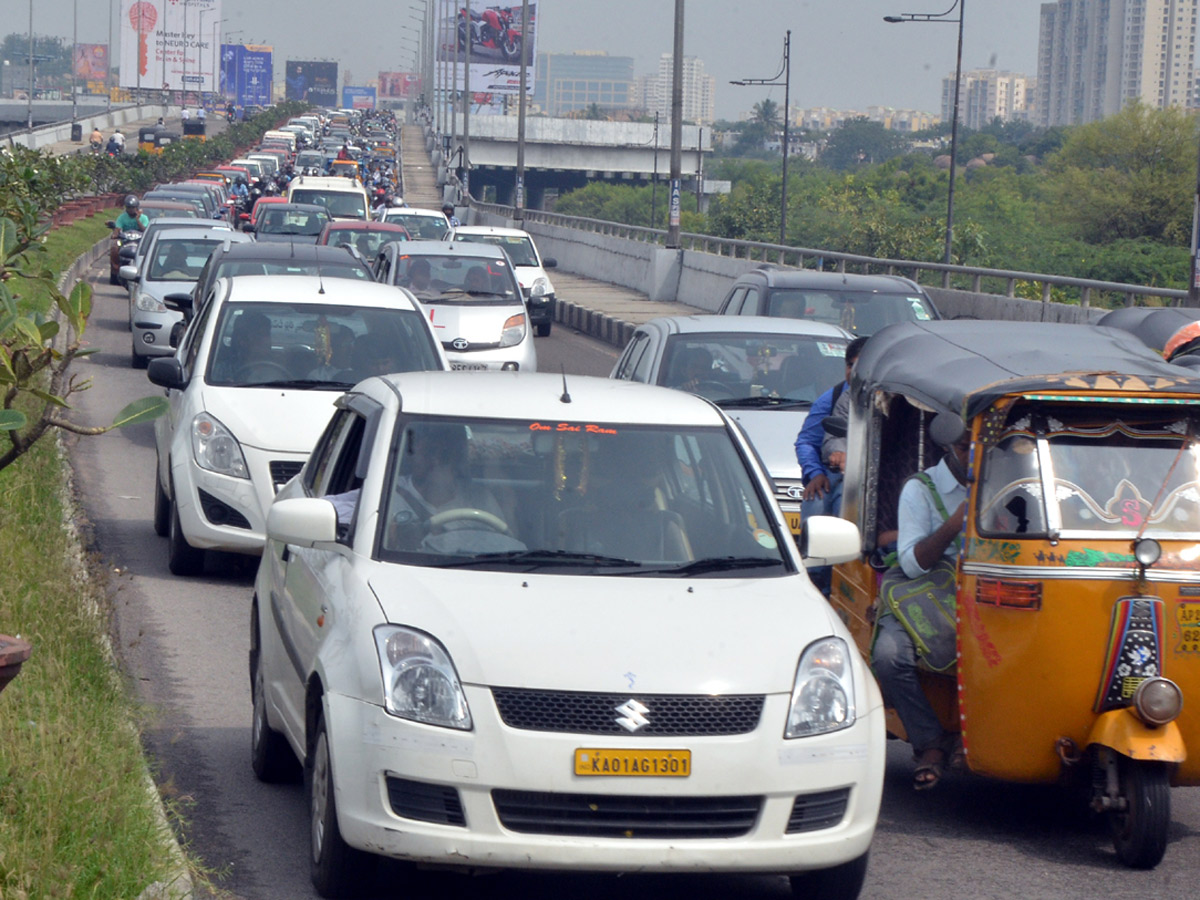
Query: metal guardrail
1002	281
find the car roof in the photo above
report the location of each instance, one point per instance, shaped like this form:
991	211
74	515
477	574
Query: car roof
313	289
418	210
219	234
964	366
776	276
366	225
748	324
302	252
445	248
491	229
534	396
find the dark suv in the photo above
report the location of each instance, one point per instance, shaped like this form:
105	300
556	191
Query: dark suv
862	304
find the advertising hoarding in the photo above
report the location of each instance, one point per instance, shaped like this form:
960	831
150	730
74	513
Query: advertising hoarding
490	40
246	73
91	62
170	45
398	85
314	82
358	97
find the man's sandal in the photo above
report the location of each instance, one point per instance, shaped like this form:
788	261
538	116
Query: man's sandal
929	772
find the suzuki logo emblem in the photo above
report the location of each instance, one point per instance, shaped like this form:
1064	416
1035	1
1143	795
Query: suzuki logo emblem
633	715
795	492
460	343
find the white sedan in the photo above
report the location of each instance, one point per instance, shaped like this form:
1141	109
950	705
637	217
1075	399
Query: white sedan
511	620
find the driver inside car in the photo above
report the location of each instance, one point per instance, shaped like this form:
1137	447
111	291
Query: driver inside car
693	366
435	505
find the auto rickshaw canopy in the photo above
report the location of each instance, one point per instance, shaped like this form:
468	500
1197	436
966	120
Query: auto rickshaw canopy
964	366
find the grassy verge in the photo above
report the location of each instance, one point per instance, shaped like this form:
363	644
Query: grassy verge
61	248
76	818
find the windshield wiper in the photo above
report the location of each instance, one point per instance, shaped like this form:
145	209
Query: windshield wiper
536	558
717	564
759	402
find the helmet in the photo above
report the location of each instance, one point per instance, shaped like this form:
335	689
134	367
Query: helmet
241	179
132	202
447	208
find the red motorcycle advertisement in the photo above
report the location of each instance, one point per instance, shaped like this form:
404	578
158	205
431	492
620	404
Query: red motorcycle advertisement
490	41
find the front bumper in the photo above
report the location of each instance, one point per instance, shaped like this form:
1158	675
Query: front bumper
373	751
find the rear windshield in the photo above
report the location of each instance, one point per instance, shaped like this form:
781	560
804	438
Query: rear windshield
459	279
519	247
862	312
341	204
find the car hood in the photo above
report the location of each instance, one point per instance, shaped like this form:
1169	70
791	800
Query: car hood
773	434
596	633
286	421
478	324
160	289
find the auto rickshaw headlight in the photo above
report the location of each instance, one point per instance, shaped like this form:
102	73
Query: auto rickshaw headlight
1157	701
823	693
1147	551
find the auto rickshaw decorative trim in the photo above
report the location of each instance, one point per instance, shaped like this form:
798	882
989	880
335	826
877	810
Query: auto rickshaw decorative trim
1134	650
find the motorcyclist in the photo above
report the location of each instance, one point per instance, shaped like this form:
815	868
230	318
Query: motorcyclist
116	144
448	212
132	219
96	139
240	193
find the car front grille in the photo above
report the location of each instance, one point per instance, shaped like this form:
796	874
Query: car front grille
812	812
784	490
470	347
600	815
283	470
667	715
425	802
218	512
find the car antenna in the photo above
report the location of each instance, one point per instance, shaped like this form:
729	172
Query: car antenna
566	397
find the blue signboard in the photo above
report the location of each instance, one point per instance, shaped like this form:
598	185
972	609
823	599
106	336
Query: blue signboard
246	73
358	97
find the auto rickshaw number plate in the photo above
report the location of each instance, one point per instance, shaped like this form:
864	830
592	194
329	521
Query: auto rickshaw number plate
636	763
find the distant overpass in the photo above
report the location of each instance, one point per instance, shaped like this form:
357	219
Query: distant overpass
565	154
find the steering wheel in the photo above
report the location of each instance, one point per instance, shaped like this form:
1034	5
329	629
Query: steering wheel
707	388
262	370
480	516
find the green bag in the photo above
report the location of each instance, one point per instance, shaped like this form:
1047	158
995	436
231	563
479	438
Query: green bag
926	606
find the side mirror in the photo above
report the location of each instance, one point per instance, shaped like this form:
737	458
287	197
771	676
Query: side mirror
110	224
129	273
303	521
166	371
248	228
828	540
550	263
181	303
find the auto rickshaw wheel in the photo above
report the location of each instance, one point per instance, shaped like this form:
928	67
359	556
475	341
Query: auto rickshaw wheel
1139	831
842	882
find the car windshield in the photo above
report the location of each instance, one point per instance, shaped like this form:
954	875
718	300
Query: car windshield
310	158
573	497
861	312
309	345
179	259
367	242
156	212
293	221
422	228
341	204
458	279
519	247
1112	475
327	269
772	368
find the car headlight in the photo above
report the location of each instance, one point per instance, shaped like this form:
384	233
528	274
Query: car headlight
216	449
540	288
513	331
823	694
419	681
147	303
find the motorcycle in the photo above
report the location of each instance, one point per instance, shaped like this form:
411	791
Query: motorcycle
121	251
491	29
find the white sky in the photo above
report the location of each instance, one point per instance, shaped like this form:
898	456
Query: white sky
843	54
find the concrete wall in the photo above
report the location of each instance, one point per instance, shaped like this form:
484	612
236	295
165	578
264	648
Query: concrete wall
106	122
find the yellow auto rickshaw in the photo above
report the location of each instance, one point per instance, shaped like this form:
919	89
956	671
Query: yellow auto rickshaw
195	129
1078	576
146	136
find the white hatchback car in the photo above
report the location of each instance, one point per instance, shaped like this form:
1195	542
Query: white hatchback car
250	388
513	620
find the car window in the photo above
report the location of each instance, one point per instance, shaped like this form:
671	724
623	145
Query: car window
333	345
348	204
293	221
519	247
421	228
862	312
179	259
733	306
458	279
589	498
633	353
194	336
738	366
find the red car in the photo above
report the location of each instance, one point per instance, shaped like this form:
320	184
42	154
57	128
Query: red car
367	237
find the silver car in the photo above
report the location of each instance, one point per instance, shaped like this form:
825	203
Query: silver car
171	265
472	298
764	372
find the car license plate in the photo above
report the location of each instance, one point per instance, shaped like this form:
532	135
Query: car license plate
793	520
636	763
471	367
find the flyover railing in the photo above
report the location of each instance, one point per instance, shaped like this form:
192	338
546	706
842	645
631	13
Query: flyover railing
1002	282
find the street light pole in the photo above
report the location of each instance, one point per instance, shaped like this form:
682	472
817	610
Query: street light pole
676	131
786	73
942	17
74	55
29	96
519	199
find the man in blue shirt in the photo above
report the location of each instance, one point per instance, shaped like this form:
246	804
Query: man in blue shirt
925	537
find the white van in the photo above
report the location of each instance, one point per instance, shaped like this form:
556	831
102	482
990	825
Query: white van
345	198
287	136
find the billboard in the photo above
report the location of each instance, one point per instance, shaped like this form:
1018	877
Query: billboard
358	97
489	40
91	62
314	82
246	72
399	84
169	45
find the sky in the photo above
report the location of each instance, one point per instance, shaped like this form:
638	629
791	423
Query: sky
843	54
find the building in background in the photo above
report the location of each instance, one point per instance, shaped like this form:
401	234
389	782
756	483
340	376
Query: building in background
986	95
699	91
1097	56
567	83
